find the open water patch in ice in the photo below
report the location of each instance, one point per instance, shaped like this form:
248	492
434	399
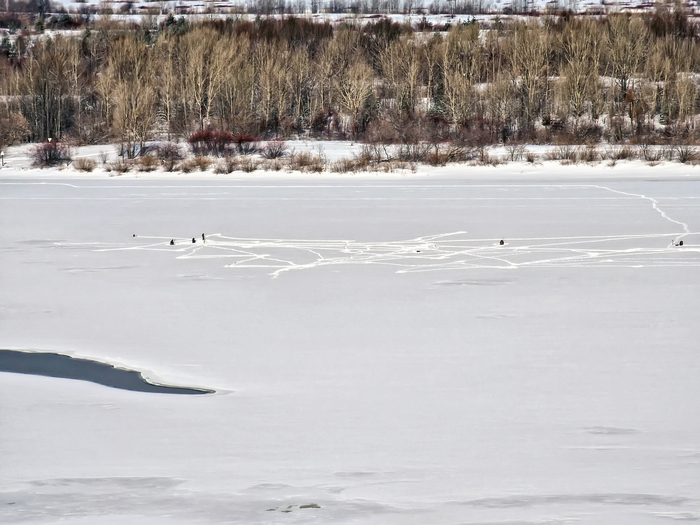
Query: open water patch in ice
66	367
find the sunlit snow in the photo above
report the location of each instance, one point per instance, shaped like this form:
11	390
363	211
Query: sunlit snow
378	356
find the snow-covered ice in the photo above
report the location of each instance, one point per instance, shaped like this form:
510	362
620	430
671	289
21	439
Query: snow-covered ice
375	350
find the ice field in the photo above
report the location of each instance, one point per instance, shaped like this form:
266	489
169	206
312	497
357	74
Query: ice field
378	357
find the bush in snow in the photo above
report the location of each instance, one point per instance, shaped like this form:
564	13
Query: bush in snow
275	149
247	144
211	142
85	164
50	154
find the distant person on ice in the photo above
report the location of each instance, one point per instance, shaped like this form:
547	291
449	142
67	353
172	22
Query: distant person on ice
194	240
172	242
203	239
501	243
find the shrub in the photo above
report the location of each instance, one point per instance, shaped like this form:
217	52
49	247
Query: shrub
247	144
272	165
11	21
211	142
485	159
119	166
85	164
515	152
588	133
169	154
197	163
455	153
686	154
50	154
307	162
650	154
187	166
147	163
436	157
345	165
565	153
531	157
13	128
620	153
249	164
668	153
202	163
589	154
275	149
412	152
169	151
226	165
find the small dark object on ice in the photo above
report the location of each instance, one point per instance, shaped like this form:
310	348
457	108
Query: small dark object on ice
310	506
172	242
134	235
680	243
194	240
203	239
501	243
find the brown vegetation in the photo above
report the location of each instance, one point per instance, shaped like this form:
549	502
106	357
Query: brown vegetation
222	84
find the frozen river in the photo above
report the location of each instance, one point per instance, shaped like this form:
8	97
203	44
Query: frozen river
375	351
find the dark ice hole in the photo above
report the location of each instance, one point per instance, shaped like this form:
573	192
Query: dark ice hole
63	366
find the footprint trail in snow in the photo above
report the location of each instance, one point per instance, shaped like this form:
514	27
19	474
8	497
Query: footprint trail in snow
446	251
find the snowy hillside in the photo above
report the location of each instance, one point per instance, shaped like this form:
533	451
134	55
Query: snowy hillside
337	10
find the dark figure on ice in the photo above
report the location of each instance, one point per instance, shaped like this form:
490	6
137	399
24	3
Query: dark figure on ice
194	240
203	239
172	242
501	243
680	243
134	235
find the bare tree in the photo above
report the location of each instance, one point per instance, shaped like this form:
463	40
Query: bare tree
354	88
461	68
46	87
204	57
626	44
581	52
529	52
299	84
236	98
271	63
128	84
401	68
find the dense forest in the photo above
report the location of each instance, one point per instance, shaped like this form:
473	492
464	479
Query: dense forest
555	79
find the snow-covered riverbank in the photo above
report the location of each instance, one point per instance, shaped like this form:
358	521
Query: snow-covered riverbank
18	165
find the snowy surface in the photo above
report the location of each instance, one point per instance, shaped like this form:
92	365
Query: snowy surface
375	350
418	8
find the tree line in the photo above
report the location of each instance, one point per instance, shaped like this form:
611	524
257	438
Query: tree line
557	79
